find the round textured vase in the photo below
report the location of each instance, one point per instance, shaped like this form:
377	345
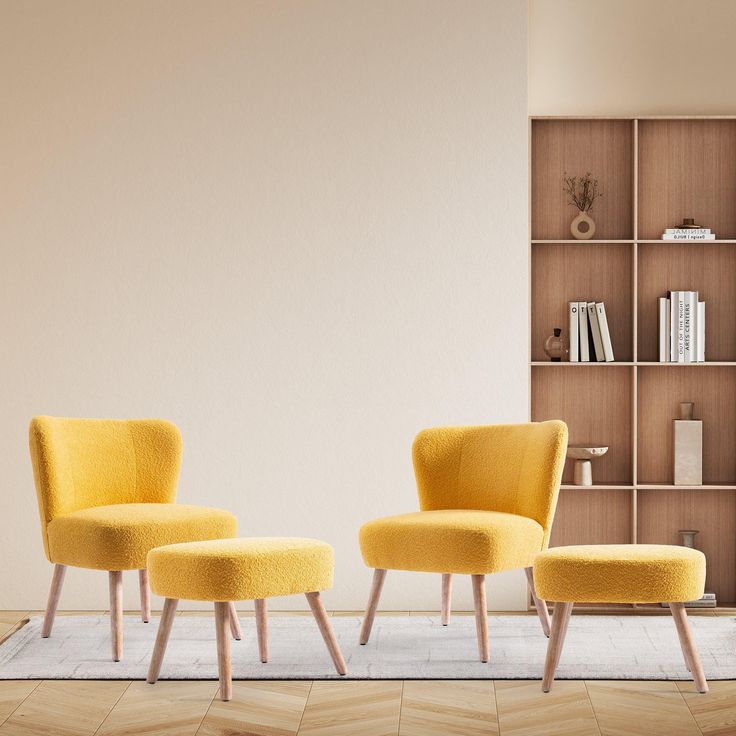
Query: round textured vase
582	227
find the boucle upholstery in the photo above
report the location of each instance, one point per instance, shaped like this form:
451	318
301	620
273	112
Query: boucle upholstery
118	537
106	491
472	542
511	472
620	573
241	569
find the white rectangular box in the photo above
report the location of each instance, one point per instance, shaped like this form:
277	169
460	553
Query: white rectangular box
688	452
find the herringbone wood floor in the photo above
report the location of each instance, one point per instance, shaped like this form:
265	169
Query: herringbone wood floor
362	708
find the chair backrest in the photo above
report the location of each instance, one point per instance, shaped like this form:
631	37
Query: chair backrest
515	468
80	463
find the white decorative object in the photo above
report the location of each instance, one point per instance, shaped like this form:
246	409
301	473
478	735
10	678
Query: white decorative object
688	451
583	469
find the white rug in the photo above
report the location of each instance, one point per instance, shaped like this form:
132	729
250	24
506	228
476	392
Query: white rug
401	647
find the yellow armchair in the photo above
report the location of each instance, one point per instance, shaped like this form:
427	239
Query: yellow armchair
487	497
107	496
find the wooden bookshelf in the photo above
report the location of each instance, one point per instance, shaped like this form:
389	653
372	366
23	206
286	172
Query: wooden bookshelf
653	172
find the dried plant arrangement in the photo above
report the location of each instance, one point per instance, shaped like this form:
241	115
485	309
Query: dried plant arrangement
583	191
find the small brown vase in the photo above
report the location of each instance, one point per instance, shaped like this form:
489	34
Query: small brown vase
582	227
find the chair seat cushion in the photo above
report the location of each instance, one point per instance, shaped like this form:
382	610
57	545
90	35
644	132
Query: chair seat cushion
241	569
620	573
118	537
451	541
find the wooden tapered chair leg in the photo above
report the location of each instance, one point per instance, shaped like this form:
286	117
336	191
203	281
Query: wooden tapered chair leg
481	614
116	613
560	621
689	650
325	628
235	630
539	604
379	576
162	639
57	580
145	596
446	598
262	628
224	663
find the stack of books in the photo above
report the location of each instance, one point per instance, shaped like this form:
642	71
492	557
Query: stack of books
688	233
707	601
590	340
681	328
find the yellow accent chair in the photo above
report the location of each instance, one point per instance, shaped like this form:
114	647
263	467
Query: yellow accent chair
487	497
107	496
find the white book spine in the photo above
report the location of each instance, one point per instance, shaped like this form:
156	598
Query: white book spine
574	327
584	341
687	230
689	301
600	308
678	325
695	236
673	326
595	330
664	329
701	332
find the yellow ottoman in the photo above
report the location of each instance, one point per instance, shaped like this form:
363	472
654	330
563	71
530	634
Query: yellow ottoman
620	573
227	570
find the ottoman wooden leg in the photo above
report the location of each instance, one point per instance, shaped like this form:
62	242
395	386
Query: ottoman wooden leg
162	639
57	580
325	628
224	664
234	622
539	604
379	576
446	598
116	613
145	596
560	621
262	628
689	651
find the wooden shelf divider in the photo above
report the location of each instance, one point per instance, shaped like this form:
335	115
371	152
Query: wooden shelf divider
653	171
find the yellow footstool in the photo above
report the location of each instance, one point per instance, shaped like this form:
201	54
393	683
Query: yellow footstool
227	570
620	573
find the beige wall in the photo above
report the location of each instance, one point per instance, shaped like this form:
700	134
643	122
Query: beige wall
297	229
629	57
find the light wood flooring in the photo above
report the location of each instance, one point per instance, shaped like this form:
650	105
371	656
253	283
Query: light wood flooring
361	708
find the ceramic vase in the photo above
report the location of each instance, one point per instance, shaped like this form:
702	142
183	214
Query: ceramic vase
582	227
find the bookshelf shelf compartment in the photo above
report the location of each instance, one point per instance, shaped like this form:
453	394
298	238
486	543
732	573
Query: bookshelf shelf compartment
653	172
564	272
660	393
662	513
706	268
687	168
602	147
597	408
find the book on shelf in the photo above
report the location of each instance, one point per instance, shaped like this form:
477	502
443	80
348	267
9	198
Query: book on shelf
687	230
574	327
664	329
600	309
681	328
595	332
708	600
590	337
688	235
584	332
